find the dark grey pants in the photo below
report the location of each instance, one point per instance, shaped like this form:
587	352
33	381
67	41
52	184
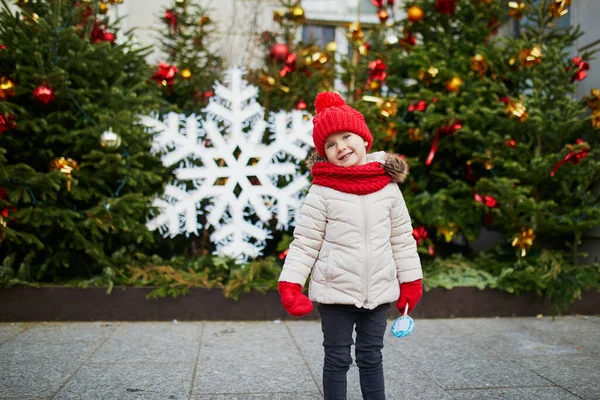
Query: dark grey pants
337	323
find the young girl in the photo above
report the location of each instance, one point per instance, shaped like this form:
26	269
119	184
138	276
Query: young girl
354	238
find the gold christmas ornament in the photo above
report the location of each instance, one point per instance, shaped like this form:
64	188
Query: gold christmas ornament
448	231
355	31
383	15
331	46
388	109
428	76
558	8
7	88
110	140
298	14
454	84
479	65
363	49
516	109
415	14
524	240
415	134
596	119
374	85
516	9
103	8
278	16
203	20
593	100
66	166
531	57
186	73
391	130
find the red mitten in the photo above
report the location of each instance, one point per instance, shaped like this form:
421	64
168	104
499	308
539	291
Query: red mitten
294	302
410	292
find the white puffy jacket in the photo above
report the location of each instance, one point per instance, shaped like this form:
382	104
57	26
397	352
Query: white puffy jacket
356	248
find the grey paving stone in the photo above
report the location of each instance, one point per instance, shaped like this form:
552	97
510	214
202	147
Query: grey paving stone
248	357
67	332
531	393
151	342
13	353
578	374
37	378
9	331
129	381
403	380
260	396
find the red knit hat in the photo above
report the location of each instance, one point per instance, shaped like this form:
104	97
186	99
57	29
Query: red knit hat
333	116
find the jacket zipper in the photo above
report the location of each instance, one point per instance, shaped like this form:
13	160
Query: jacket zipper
366	267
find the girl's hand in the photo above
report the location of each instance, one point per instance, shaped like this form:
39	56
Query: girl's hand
410	292
294	302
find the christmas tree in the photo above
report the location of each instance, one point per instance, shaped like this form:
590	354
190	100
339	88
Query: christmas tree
493	133
191	67
294	71
77	176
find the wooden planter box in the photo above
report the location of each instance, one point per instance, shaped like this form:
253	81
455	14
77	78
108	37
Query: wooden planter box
130	304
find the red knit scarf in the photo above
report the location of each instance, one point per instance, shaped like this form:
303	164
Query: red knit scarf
358	179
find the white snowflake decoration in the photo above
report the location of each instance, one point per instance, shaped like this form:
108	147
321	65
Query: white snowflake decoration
220	166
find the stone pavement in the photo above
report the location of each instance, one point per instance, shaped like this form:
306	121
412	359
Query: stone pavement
497	358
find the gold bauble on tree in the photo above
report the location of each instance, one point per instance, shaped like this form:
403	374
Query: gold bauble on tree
558	8
383	15
355	31
7	88
415	134
298	15
524	240
454	84
516	109
415	14
593	100
186	73
103	8
66	166
531	57
516	9
479	65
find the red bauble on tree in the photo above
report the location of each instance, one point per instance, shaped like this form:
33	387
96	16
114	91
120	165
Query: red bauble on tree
7	122
165	74
445	6
279	52
44	94
301	105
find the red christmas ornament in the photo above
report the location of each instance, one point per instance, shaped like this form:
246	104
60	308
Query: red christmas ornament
408	41
7	122
420	234
301	105
171	18
165	74
420	105
504	99
488	201
279	52
445	6
580	67
446	130
510	143
43	94
290	65
283	254
377	73
377	3
574	157
100	34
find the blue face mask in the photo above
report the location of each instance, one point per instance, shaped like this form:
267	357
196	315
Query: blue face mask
403	325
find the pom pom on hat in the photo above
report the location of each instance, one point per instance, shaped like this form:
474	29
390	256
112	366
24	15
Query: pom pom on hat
334	116
328	99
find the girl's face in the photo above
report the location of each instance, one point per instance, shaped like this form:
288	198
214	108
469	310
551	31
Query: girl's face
346	149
